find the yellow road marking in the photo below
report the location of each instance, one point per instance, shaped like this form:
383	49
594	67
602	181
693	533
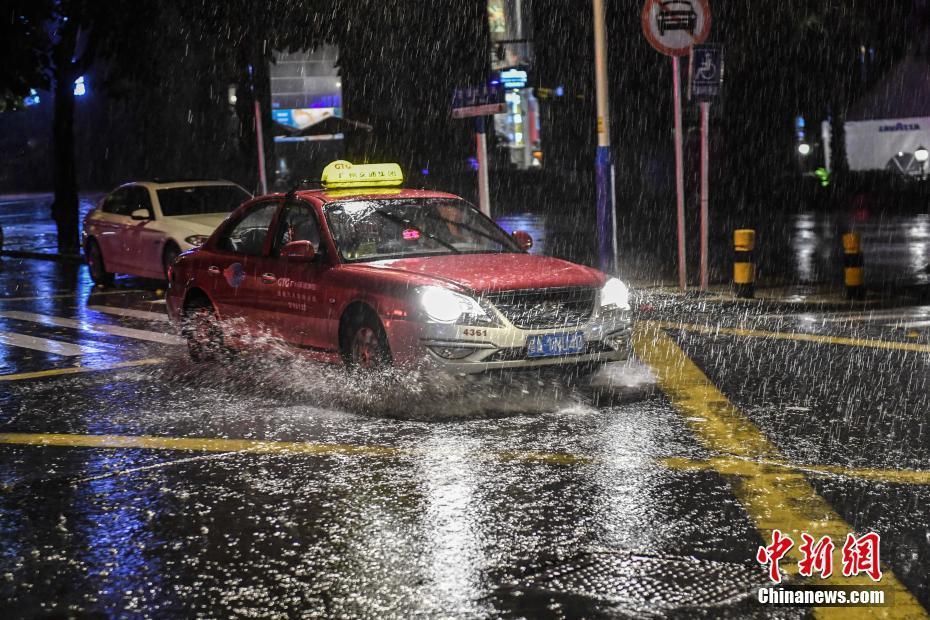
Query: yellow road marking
753	333
71	370
551	458
207	444
732	466
743	467
197	444
779	500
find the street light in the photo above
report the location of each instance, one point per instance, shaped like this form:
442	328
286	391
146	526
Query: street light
921	155
804	149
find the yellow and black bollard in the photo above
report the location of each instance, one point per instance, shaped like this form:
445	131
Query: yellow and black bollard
744	269
852	266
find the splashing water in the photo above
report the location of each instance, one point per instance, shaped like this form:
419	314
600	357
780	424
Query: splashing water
271	368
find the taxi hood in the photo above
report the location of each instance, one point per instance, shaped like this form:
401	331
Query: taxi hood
496	272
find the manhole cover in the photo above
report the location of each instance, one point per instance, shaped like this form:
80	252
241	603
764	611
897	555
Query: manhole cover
648	584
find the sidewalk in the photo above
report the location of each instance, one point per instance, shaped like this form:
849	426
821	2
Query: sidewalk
798	298
28	228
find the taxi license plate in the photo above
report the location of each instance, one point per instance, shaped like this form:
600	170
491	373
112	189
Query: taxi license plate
549	345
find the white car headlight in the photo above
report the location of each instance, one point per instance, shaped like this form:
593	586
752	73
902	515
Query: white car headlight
445	306
615	295
197	240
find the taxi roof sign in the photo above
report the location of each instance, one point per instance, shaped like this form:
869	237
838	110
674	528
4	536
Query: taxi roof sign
343	174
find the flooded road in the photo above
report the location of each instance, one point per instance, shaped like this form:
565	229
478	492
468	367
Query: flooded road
135	483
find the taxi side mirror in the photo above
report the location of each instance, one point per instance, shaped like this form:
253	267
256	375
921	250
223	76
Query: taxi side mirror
523	239
140	215
302	251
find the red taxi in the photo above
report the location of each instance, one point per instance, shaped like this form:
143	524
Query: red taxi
364	273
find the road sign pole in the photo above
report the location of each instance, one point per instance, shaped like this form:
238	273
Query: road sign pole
705	190
679	175
484	193
675	34
260	140
603	162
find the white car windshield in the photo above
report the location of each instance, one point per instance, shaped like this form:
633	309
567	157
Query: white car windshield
369	230
200	199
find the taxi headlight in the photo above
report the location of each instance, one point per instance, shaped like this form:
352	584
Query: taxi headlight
615	295
445	306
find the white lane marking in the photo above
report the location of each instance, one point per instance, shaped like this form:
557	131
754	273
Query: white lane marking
114	330
66	295
56	347
156	301
130	312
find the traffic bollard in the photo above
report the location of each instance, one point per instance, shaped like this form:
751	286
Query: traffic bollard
744	270
852	266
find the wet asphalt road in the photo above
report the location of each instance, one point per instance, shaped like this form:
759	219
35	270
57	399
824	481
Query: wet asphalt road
142	485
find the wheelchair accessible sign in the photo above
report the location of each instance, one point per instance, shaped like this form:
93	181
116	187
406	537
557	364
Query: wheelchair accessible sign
673	26
706	72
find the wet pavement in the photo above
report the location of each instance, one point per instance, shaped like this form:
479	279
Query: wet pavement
135	483
793	248
27	223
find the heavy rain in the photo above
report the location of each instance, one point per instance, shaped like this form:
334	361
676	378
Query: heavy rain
496	309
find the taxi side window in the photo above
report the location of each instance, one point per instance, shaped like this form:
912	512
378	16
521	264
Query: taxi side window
297	223
119	202
247	236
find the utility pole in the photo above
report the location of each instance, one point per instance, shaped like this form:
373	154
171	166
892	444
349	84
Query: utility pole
603	162
481	144
259	137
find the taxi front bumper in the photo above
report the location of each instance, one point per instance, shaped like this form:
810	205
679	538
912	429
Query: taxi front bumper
465	349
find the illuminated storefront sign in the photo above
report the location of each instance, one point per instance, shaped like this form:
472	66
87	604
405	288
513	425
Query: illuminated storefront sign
513	78
301	118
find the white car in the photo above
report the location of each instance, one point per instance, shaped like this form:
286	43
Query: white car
140	228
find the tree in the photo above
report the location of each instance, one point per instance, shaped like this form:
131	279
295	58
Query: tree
51	43
23	50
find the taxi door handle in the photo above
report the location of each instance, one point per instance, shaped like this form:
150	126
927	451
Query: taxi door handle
213	270
269	278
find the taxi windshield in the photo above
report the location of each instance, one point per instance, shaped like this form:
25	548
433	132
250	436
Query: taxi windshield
370	230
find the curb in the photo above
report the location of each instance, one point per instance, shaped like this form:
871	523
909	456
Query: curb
773	304
58	258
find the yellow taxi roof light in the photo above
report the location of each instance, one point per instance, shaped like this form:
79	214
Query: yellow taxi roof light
343	174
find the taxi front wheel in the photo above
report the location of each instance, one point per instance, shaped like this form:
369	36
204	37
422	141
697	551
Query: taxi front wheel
203	333
367	345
